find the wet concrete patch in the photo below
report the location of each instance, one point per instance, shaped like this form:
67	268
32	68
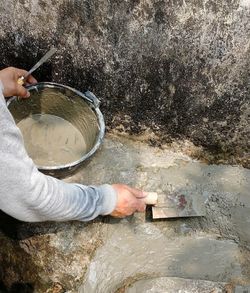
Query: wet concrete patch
112	253
145	251
210	248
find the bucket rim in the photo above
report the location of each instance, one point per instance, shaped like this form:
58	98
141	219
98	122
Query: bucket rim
94	103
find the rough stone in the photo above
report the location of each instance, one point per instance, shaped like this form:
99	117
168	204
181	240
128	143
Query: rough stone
242	289
178	68
46	257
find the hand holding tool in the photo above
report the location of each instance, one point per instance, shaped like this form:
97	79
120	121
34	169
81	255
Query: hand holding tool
22	79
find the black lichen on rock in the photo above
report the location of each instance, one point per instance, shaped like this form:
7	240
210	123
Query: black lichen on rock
178	68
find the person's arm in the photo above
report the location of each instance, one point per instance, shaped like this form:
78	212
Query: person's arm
29	195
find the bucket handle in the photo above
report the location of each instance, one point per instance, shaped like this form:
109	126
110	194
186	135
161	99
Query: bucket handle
92	98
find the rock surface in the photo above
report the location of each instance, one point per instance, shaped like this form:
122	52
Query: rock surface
173	285
178	68
108	255
143	251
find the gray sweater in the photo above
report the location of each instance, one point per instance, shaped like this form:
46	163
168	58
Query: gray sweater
29	195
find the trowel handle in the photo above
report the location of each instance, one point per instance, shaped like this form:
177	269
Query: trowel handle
151	198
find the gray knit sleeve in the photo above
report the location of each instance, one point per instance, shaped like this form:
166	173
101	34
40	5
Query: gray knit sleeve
29	195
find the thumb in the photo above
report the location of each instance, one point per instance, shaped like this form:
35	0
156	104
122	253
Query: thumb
22	92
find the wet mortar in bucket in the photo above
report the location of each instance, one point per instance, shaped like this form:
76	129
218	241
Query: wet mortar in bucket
59	128
51	140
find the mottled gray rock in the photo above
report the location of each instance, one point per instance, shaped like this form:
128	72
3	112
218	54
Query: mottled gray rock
242	289
173	285
48	257
179	68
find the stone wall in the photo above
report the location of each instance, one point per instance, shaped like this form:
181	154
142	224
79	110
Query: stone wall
180	68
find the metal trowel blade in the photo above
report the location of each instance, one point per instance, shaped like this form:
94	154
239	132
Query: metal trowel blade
178	206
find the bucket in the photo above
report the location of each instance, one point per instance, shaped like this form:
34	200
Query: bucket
61	123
